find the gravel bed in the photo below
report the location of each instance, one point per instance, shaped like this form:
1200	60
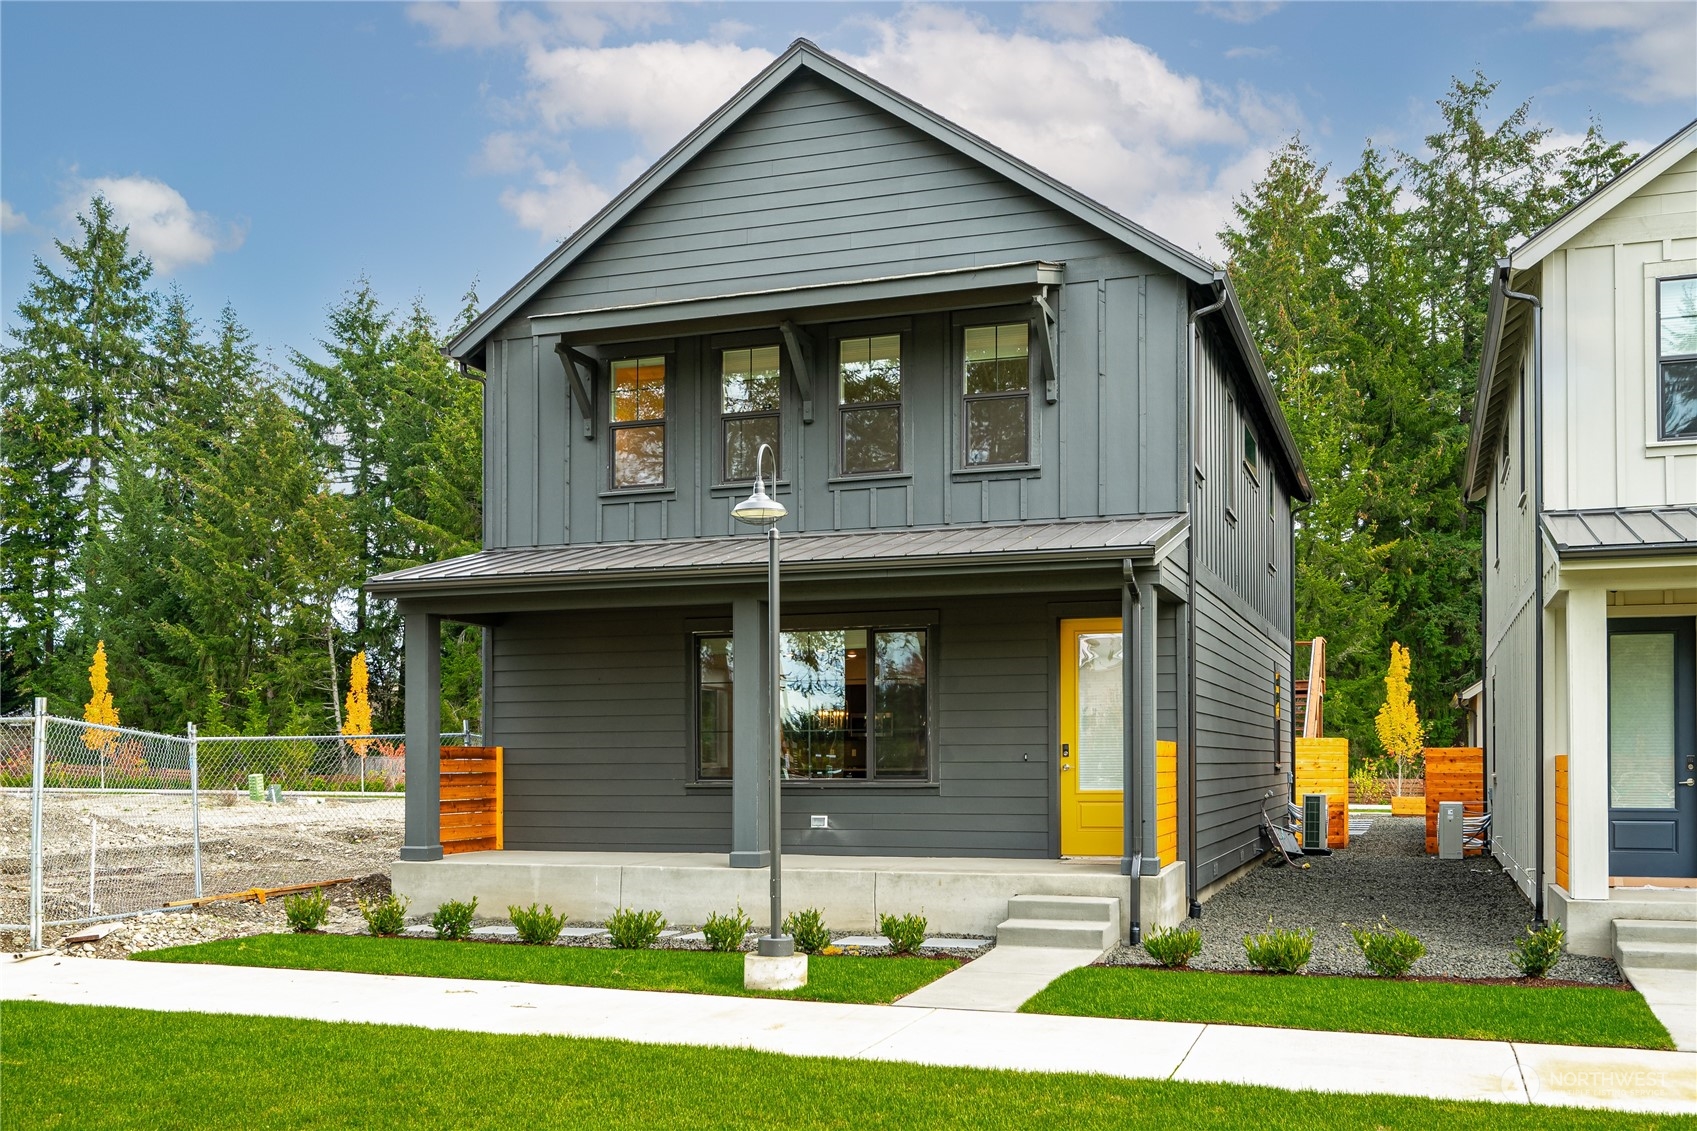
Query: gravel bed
1467	912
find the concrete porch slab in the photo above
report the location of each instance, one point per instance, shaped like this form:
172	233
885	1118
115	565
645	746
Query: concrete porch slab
1589	923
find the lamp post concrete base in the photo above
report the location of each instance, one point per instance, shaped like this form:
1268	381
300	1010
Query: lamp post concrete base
760	972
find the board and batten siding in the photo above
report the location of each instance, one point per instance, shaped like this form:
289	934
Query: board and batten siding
782	181
1600	384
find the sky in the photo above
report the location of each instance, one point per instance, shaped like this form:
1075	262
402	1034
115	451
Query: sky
267	156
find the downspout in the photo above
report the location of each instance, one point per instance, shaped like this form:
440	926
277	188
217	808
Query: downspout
1294	508
471	374
1537	408
1131	611
1190	597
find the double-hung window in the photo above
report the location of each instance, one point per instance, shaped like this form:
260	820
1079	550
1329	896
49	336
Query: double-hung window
996	394
855	705
869	398
638	426
750	398
1676	340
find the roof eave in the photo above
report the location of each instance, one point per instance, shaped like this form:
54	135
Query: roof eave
1296	473
1476	454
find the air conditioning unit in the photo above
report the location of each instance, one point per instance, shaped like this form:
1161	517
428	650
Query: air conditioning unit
1314	820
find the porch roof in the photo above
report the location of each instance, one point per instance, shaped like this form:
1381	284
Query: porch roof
743	557
1622	530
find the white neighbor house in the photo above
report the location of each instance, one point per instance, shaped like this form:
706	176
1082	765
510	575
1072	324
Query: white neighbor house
1590	555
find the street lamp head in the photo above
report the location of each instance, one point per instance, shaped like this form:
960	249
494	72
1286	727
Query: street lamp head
760	509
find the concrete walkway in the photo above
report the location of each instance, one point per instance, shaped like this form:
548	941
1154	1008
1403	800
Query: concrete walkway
1001	981
1628	1079
1672	997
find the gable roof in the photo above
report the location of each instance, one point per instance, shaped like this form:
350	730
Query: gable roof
1496	372
803	55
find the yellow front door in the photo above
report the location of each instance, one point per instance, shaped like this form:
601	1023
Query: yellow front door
1092	738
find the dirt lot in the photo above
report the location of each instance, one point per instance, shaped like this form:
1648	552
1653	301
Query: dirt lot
143	847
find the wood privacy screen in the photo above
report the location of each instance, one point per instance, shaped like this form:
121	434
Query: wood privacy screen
471	798
1166	801
1453	773
1322	766
1561	821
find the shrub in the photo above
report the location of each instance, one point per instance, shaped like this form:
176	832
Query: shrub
807	927
307	911
1173	946
635	930
1279	951
538	927
386	916
452	920
1389	951
1539	951
905	932
726	932
1367	787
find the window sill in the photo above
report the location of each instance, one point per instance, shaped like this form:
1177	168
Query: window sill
1231	516
1012	470
870	477
629	493
1678	445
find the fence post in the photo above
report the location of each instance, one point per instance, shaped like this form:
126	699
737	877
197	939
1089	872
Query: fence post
38	775
465	732
194	801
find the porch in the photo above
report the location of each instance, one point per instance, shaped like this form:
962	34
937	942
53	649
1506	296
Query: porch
957	895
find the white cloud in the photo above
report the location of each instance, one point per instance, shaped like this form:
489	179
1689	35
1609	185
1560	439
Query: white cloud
1251	52
1652	50
481	24
1241	11
1066	17
11	220
161	223
557	202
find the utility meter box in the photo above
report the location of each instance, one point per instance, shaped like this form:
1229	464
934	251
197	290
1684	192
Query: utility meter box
1449	830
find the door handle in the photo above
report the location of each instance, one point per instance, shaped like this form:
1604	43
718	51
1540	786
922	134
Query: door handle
1066	752
1689	781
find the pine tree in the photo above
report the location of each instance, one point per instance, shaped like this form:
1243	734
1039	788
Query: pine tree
1401	734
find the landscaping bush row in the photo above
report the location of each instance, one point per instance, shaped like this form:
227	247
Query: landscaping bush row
1390	952
627	928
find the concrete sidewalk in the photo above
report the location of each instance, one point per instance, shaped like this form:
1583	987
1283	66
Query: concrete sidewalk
1627	1079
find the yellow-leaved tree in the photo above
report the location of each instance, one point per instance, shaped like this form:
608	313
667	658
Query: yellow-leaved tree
99	708
356	712
1398	722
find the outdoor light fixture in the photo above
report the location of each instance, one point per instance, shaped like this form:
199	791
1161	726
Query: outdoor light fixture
760	509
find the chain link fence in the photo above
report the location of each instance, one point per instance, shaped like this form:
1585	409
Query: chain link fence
100	822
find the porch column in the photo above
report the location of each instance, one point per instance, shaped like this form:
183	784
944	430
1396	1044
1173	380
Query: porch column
751	742
423	634
1140	622
1587	633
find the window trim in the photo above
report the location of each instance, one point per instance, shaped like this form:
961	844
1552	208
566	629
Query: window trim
1661	432
668	358
1247	441
721	453
964	400
914	621
902	331
1229	444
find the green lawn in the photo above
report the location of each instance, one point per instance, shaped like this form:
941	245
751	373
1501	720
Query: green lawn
873	981
1557	1015
69	1066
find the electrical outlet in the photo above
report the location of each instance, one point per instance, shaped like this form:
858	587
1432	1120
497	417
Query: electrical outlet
821	821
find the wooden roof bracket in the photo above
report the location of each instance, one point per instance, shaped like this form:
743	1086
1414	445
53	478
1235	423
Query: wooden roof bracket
800	348
1043	315
580	372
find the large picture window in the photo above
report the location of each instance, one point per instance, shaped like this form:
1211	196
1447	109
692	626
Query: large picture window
750	396
869	395
855	705
997	394
1676	349
639	422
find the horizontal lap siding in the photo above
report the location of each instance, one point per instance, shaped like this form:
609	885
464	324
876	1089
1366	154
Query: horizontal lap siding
593	711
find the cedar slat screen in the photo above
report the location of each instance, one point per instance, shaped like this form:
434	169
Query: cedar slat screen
1453	773
1322	766
471	799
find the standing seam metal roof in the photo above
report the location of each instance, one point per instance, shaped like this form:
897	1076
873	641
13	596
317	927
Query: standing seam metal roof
1623	529
574	565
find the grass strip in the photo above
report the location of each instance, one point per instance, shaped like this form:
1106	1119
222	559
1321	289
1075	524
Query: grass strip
864	981
69	1066
1555	1015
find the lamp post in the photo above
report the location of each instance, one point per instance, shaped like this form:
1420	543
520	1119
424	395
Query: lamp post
759	509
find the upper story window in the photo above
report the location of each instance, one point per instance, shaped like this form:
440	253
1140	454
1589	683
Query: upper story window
997	394
639	422
750	398
869	393
1676	308
1251	454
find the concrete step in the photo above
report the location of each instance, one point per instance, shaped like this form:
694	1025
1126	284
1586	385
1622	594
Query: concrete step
1058	934
1655	931
1083	908
1655	956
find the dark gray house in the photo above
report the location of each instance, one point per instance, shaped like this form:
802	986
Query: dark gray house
1037	564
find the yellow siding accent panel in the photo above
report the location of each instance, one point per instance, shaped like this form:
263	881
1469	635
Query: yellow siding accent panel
1561	820
1166	801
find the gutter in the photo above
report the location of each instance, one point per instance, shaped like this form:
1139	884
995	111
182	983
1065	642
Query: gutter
1196	315
1537	409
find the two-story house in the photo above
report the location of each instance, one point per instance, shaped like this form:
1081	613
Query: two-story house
1584	452
1036	628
